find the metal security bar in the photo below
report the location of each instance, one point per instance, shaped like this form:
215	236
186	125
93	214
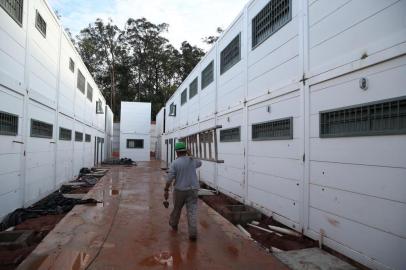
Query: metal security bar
281	129
8	124
230	135
207	75
230	55
78	136
183	97
81	84
378	118
41	129
135	143
270	19
193	88
89	92
65	134
40	24
88	138
14	8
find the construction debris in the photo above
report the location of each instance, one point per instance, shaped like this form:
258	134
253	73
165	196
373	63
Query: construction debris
263	229
284	230
205	192
121	161
244	231
254	222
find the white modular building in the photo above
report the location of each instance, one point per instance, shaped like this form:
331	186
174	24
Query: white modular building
53	118
299	110
135	130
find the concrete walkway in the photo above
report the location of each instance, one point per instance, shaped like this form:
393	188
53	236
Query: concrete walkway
130	231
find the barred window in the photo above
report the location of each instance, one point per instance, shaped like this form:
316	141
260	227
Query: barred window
99	107
230	55
8	124
207	75
65	134
81	84
78	136
230	135
270	19
40	24
281	129
88	138
14	8
183	97
135	143
377	118
172	109
41	129
89	92
71	65
193	88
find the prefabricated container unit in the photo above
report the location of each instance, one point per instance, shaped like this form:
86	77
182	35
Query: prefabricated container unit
52	120
135	130
299	110
159	131
116	140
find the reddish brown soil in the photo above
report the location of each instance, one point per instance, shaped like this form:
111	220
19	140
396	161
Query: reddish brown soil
267	240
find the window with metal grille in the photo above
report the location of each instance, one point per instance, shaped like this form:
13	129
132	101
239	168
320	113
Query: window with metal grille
81	82
88	138
281	129
65	134
172	109
135	143
270	19
14	8
386	117
8	124
193	88
40	24
230	135
71	65
78	136
99	107
89	92
230	55
183	97
207	75
41	129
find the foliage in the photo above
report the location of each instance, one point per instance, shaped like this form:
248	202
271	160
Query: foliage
136	63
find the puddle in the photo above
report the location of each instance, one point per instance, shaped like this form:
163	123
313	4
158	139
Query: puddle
164	258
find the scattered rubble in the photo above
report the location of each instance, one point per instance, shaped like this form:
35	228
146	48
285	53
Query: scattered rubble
121	161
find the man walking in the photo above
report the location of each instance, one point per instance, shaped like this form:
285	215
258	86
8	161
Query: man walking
186	187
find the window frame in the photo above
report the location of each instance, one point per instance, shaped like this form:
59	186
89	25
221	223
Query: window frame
230	140
209	67
287	137
15	128
79	82
41	136
71	65
135	143
183	97
87	92
63	138
194	84
76	136
20	15
172	112
88	137
224	67
40	23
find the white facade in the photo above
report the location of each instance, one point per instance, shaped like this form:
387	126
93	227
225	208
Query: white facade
135	130
350	189
38	84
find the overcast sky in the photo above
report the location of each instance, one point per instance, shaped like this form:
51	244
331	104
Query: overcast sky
189	20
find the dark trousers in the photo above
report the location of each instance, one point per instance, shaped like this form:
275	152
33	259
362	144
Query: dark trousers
180	198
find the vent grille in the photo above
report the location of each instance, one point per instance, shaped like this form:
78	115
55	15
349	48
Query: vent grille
231	55
14	8
281	129
40	24
270	19
379	118
88	138
8	124
78	136
230	135
89	92
81	82
65	134
193	88
183	97
41	129
207	75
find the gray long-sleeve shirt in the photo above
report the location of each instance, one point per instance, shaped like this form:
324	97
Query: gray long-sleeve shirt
183	169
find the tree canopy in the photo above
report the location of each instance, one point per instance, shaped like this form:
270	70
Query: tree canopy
136	63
